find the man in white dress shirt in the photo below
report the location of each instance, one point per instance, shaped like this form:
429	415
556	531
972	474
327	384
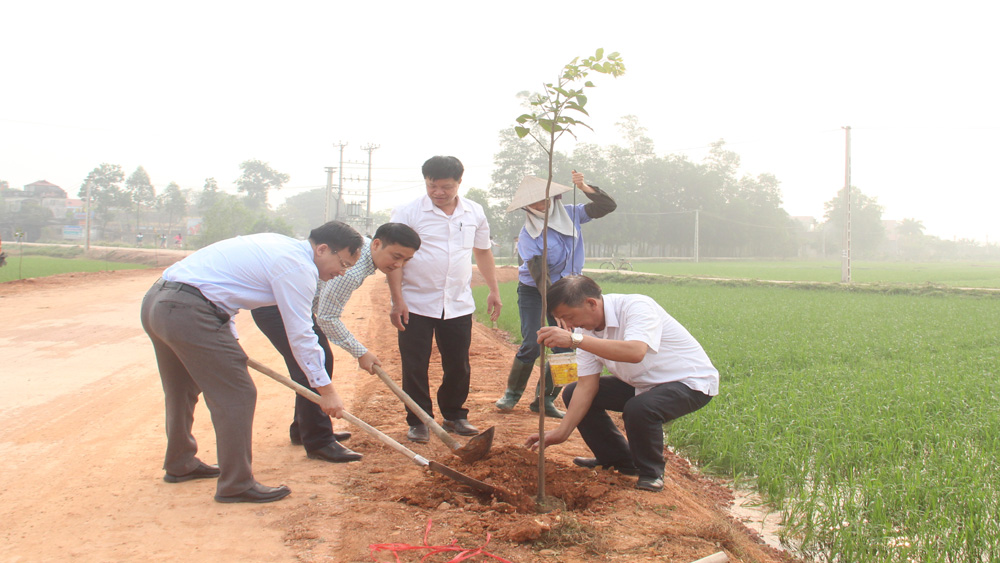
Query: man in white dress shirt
660	373
188	317
432	296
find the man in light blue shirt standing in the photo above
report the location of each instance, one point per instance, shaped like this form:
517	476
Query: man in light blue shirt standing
188	317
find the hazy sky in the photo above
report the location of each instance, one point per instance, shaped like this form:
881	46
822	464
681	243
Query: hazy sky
189	90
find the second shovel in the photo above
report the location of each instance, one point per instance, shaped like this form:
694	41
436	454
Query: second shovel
474	450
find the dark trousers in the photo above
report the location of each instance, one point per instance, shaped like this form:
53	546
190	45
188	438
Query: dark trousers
196	353
644	416
454	337
529	306
310	424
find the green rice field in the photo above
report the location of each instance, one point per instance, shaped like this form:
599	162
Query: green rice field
40	266
954	274
869	419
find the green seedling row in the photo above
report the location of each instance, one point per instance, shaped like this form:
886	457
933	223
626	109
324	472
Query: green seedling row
870	420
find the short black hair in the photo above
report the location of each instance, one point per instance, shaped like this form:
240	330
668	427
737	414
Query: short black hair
398	233
441	167
572	291
336	235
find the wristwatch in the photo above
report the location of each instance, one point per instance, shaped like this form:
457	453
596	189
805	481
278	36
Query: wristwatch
575	340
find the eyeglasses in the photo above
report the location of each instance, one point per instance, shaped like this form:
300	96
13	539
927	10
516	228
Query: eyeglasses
343	264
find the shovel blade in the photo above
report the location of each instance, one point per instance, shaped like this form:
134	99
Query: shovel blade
476	448
460	477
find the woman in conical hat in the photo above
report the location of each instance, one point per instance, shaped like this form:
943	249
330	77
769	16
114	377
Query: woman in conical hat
565	257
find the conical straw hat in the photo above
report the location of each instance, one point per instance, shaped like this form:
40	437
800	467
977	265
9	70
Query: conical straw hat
532	189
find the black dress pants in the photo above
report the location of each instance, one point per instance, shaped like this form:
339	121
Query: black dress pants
453	336
312	425
644	416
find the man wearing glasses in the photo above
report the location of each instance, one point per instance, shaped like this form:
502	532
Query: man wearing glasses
188	317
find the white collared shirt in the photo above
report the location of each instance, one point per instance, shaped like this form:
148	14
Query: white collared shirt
247	272
672	354
437	282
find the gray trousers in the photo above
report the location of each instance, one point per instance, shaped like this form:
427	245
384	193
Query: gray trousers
197	353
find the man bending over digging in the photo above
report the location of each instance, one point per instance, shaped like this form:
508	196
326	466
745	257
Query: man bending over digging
659	370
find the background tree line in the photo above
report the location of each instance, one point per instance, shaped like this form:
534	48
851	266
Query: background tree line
662	199
119	205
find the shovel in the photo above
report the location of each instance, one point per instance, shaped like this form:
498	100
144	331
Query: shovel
419	460
474	450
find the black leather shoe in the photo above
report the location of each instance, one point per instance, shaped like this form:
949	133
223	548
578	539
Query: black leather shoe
203	471
257	493
419	434
334	453
338	436
591	463
461	427
652	484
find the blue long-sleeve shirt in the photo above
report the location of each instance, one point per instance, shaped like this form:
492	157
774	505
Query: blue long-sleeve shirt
565	251
565	255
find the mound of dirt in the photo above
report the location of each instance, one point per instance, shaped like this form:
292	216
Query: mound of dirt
587	515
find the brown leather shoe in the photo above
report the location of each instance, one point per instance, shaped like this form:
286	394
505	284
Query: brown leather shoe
257	493
203	471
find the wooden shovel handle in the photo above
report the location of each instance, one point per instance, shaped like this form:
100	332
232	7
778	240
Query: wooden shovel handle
312	396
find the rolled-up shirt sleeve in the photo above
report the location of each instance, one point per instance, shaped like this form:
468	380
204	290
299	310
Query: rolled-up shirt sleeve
331	298
294	292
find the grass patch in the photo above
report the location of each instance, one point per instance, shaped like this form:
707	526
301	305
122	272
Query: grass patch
953	274
52	251
868	416
30	266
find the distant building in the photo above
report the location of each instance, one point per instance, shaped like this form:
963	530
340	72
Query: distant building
46	193
44	189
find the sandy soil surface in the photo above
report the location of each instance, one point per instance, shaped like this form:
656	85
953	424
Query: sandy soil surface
81	436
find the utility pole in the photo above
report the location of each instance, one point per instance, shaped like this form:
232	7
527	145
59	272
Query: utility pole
329	193
696	236
86	245
340	182
368	211
845	267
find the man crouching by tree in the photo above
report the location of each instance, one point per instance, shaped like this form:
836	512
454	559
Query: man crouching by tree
660	373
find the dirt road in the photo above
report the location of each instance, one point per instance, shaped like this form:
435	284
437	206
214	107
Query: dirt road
81	436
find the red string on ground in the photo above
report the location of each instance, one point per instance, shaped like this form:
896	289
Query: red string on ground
463	554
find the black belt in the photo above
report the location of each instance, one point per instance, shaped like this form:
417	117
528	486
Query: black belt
183	287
